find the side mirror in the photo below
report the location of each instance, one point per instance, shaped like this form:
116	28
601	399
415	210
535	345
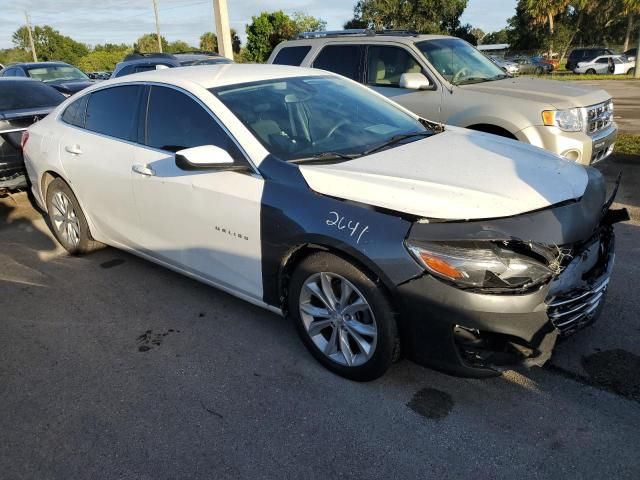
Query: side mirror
414	81
204	157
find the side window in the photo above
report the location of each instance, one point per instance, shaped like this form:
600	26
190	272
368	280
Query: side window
291	55
10	72
112	111
176	121
386	64
127	70
74	114
602	60
344	60
143	68
18	72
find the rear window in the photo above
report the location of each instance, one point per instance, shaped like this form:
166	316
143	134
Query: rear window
20	94
345	60
291	55
74	113
113	111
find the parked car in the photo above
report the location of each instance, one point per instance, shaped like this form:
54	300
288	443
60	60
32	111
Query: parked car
376	231
22	102
61	76
607	64
511	68
553	64
584	55
447	80
99	75
143	62
632	53
533	66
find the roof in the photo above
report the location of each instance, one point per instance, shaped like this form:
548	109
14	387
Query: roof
211	76
36	64
361	38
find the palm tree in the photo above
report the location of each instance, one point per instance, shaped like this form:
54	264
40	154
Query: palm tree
544	12
630	7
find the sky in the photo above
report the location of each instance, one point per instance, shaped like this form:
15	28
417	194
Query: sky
123	21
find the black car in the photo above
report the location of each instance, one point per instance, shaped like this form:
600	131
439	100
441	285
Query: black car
142	62
22	102
65	78
584	55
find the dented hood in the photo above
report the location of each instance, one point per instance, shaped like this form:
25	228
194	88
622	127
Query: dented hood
457	174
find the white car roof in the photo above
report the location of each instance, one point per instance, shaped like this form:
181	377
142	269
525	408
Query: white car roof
211	76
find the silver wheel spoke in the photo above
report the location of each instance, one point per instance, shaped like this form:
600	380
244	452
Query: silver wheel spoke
345	293
361	328
358	306
327	289
319	294
332	343
345	348
363	345
316	327
315	311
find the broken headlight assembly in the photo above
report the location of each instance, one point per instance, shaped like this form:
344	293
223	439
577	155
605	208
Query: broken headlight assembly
484	265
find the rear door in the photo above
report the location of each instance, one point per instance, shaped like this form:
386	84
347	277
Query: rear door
204	221
97	154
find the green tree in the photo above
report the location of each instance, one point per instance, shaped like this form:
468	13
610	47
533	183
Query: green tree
265	32
501	36
631	8
50	44
478	34
307	23
111	47
148	43
100	60
11	55
424	16
544	12
178	46
209	42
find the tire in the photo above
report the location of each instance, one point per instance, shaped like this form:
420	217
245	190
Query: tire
67	221
591	71
538	71
310	313
632	72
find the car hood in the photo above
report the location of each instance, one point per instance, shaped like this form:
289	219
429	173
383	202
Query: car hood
454	175
557	94
71	86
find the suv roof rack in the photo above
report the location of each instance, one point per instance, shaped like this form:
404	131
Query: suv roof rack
357	32
138	55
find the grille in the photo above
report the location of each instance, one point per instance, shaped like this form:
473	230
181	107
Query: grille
599	117
574	311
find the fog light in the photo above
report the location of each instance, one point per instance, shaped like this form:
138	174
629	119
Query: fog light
572	155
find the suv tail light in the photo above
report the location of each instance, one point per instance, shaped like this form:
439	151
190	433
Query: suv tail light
24	139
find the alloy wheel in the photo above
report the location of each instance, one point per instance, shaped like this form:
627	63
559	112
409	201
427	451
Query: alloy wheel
65	220
338	319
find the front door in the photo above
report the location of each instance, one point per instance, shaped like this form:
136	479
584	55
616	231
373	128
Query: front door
206	221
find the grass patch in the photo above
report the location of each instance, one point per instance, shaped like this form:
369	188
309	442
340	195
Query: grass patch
576	77
628	144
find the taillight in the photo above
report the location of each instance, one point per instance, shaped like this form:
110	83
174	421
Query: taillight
24	139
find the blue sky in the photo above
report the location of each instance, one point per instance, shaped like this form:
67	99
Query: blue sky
125	20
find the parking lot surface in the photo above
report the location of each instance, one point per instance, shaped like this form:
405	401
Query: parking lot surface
113	367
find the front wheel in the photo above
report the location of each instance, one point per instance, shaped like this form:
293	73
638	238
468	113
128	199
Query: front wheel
591	71
66	219
343	317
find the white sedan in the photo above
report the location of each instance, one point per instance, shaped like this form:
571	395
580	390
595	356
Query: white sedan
376	231
603	65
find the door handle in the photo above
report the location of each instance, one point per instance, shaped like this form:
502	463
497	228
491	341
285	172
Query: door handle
73	149
143	170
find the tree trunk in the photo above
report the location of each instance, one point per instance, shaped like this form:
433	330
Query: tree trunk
627	37
551	31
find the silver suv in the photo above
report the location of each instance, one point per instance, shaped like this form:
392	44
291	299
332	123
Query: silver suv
447	80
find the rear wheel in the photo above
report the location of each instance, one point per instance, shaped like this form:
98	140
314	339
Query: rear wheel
343	317
632	71
66	219
538	71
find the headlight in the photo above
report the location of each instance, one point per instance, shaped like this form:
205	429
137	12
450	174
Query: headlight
567	120
481	264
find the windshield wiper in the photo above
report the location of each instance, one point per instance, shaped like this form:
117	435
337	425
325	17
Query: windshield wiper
327	157
396	139
470	80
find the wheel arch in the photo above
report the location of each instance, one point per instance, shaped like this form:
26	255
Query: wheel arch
493	129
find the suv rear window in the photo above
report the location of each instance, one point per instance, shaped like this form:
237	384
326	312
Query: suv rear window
291	55
20	94
345	60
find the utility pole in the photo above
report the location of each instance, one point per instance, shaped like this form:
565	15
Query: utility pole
221	16
33	47
155	10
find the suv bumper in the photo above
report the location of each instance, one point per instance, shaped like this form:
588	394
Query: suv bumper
575	146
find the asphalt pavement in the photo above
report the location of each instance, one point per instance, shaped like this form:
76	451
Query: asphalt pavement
114	368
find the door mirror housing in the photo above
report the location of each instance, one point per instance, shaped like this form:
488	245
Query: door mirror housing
414	81
205	157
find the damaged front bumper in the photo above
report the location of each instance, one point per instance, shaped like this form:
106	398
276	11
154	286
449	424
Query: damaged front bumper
476	333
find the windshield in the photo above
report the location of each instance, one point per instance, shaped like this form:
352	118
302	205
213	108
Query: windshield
23	94
54	73
306	117
459	62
